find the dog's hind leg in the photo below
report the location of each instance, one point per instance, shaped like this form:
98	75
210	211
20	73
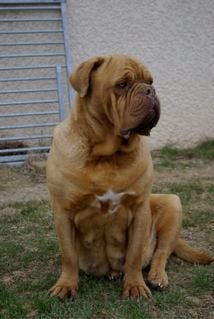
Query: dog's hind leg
167	218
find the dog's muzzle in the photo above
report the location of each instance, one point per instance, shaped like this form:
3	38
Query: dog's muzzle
150	117
149	121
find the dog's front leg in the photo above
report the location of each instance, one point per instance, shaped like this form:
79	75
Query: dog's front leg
67	284
134	284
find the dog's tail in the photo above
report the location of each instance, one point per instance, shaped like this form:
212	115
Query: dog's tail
184	251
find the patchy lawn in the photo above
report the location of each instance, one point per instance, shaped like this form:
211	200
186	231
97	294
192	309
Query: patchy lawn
29	250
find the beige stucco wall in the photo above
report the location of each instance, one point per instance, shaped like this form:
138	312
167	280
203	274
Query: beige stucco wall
174	38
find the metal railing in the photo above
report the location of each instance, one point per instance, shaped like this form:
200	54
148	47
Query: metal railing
10	154
34	66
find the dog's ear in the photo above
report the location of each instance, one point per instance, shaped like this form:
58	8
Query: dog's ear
80	79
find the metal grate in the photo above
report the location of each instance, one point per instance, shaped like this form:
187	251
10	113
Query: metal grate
34	66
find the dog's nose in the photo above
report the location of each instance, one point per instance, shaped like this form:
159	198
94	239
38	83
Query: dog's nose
148	90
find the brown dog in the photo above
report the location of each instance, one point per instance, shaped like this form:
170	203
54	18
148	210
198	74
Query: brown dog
99	175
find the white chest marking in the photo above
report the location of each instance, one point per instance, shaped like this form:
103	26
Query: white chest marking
114	200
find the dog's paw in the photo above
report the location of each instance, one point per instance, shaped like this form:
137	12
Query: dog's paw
158	279
136	291
115	274
64	289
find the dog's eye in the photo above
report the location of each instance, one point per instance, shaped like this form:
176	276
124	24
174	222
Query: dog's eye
122	85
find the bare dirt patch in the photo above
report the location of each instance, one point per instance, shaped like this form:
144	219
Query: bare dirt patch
22	183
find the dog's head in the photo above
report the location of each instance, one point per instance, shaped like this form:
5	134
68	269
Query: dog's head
118	89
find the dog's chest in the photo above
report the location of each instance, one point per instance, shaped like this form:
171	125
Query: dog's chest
111	201
111	180
105	187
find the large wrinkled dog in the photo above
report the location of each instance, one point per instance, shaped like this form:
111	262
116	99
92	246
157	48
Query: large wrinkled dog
99	175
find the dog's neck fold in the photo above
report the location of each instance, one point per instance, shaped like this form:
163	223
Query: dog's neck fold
113	144
101	136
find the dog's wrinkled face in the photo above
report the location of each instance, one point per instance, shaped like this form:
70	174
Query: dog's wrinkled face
119	89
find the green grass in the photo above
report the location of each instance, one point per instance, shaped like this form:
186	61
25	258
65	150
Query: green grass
30	260
166	298
199	218
204	150
10	304
188	190
166	157
202	279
